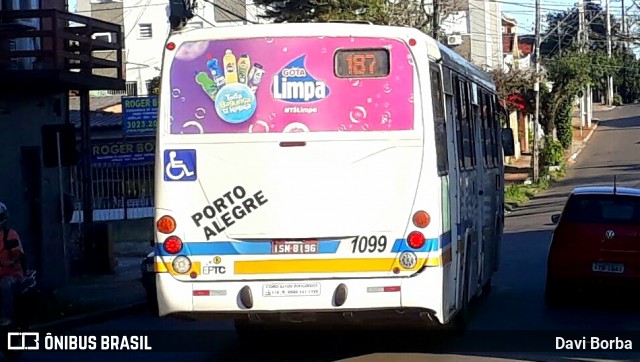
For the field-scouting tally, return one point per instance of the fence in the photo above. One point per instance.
(120, 191)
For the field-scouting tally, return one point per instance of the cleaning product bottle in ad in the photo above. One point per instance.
(207, 85)
(216, 72)
(230, 67)
(255, 77)
(244, 65)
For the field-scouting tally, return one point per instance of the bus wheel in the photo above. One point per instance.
(486, 288)
(250, 332)
(554, 294)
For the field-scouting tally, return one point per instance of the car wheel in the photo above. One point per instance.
(555, 294)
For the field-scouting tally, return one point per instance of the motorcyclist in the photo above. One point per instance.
(11, 271)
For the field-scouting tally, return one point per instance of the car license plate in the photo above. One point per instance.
(301, 289)
(294, 247)
(608, 267)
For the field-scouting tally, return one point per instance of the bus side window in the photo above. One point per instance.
(440, 126)
(487, 130)
(495, 132)
(467, 136)
(460, 113)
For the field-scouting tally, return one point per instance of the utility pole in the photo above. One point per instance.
(536, 123)
(436, 20)
(610, 77)
(624, 26)
(588, 95)
(581, 31)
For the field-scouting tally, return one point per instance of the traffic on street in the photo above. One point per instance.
(515, 304)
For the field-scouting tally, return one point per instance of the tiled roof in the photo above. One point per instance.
(95, 103)
(98, 119)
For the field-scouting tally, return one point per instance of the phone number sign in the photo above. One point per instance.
(140, 115)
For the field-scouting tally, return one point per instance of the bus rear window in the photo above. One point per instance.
(602, 209)
(291, 84)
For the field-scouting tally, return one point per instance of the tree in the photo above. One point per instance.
(562, 30)
(154, 86)
(413, 13)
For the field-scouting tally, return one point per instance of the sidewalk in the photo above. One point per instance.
(93, 298)
(520, 171)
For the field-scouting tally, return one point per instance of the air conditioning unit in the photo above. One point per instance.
(454, 40)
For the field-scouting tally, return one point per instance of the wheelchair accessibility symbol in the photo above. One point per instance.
(180, 165)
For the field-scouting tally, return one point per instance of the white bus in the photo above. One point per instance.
(315, 172)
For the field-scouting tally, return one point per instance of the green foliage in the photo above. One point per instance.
(403, 12)
(617, 100)
(564, 128)
(552, 154)
(563, 30)
(154, 86)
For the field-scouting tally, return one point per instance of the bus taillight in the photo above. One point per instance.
(166, 224)
(421, 219)
(172, 245)
(171, 46)
(416, 240)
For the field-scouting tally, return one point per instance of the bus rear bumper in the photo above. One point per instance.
(416, 299)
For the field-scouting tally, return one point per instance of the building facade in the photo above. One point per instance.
(145, 25)
(475, 32)
(36, 52)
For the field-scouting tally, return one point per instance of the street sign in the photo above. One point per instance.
(138, 152)
(139, 115)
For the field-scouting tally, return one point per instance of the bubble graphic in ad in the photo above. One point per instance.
(259, 127)
(195, 124)
(175, 93)
(295, 127)
(191, 50)
(200, 112)
(358, 114)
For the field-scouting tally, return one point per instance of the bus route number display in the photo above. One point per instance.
(361, 63)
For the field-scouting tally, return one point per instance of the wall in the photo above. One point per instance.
(21, 119)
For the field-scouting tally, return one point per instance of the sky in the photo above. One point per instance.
(524, 11)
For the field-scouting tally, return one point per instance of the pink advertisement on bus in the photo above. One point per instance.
(292, 84)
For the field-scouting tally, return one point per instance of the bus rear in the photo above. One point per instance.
(287, 172)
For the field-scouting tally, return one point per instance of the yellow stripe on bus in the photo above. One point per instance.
(289, 266)
(168, 268)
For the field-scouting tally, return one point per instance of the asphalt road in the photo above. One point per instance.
(516, 302)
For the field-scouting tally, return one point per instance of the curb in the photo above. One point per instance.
(90, 318)
(584, 142)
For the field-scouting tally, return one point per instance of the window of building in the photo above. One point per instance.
(440, 126)
(106, 37)
(145, 31)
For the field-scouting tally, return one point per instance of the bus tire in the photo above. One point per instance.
(250, 332)
(555, 295)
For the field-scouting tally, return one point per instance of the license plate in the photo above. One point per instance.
(291, 289)
(608, 267)
(294, 247)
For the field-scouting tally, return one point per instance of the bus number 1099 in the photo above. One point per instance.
(370, 244)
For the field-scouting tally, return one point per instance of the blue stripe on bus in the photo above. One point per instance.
(240, 248)
(401, 245)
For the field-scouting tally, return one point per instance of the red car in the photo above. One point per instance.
(596, 242)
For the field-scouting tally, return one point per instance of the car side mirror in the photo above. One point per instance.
(555, 218)
(508, 143)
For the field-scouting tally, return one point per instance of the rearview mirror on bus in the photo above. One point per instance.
(508, 143)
